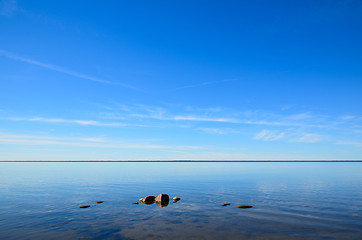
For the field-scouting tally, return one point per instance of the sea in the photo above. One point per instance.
(289, 200)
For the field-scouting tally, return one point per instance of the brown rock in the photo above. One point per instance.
(225, 204)
(85, 206)
(176, 198)
(135, 203)
(100, 202)
(162, 198)
(148, 199)
(245, 206)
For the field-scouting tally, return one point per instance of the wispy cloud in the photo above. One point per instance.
(225, 156)
(309, 138)
(64, 70)
(80, 122)
(203, 119)
(16, 139)
(356, 144)
(213, 131)
(304, 119)
(267, 135)
(8, 7)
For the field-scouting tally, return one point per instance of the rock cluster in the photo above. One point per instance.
(161, 200)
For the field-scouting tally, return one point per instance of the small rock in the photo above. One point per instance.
(100, 202)
(135, 203)
(85, 206)
(176, 198)
(245, 206)
(148, 199)
(162, 198)
(225, 204)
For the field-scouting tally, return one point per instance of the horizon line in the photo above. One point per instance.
(182, 161)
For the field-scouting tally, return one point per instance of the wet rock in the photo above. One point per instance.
(162, 204)
(100, 202)
(135, 203)
(85, 206)
(245, 206)
(162, 198)
(225, 204)
(148, 200)
(176, 198)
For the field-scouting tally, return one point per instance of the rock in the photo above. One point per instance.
(245, 206)
(85, 206)
(148, 200)
(225, 204)
(162, 204)
(162, 198)
(100, 202)
(135, 203)
(176, 198)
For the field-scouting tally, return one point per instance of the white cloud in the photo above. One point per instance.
(309, 138)
(93, 139)
(80, 122)
(203, 119)
(356, 144)
(64, 70)
(227, 156)
(213, 130)
(180, 113)
(15, 139)
(267, 135)
(347, 117)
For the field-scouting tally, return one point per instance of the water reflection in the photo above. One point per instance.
(292, 201)
(159, 203)
(162, 204)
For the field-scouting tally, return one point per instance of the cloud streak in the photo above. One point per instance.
(356, 144)
(64, 70)
(14, 139)
(80, 122)
(267, 135)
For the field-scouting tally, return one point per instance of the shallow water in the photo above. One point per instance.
(290, 200)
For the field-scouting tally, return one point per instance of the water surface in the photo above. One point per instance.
(290, 200)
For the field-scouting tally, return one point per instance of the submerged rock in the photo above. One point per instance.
(100, 202)
(135, 203)
(245, 206)
(225, 204)
(148, 200)
(162, 198)
(85, 206)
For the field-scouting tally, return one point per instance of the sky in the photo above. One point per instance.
(180, 80)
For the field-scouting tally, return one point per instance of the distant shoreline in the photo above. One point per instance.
(206, 161)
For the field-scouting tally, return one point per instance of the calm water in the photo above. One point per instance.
(291, 200)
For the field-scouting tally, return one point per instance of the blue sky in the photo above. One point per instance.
(159, 80)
